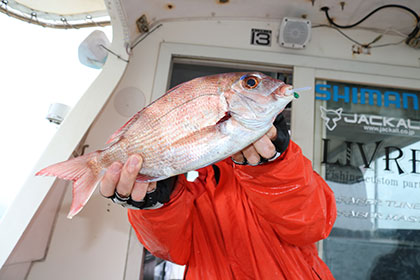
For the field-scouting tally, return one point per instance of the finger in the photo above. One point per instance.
(272, 133)
(264, 147)
(139, 190)
(152, 187)
(238, 157)
(110, 179)
(251, 155)
(128, 175)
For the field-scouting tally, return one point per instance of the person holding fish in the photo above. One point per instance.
(256, 208)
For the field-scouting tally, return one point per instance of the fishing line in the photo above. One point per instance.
(303, 89)
(295, 91)
(110, 51)
(145, 36)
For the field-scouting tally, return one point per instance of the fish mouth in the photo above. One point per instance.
(284, 91)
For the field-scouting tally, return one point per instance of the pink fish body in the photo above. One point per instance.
(195, 124)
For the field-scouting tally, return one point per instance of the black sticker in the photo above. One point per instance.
(261, 37)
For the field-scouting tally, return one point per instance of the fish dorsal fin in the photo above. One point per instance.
(117, 134)
(174, 88)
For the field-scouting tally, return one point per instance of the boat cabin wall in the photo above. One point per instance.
(147, 77)
(149, 69)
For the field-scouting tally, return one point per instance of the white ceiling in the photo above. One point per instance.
(157, 10)
(353, 11)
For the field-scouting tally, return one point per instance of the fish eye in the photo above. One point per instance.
(250, 82)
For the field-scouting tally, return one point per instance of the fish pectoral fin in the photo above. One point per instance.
(198, 136)
(224, 118)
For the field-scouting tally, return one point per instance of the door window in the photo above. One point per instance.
(369, 149)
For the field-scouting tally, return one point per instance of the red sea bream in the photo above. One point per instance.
(195, 124)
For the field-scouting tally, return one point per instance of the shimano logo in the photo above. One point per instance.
(368, 96)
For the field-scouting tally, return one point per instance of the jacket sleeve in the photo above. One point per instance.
(166, 231)
(291, 196)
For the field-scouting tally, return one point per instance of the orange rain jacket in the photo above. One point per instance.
(258, 222)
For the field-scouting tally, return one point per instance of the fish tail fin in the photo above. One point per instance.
(85, 180)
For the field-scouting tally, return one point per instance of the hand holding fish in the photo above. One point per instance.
(120, 179)
(262, 148)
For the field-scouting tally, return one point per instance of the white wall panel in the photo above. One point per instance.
(96, 240)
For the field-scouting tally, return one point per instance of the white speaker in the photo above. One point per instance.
(128, 101)
(92, 52)
(294, 33)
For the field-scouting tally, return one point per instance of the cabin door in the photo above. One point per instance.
(182, 70)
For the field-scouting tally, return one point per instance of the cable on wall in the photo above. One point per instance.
(413, 39)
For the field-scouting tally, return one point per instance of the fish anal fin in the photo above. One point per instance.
(146, 178)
